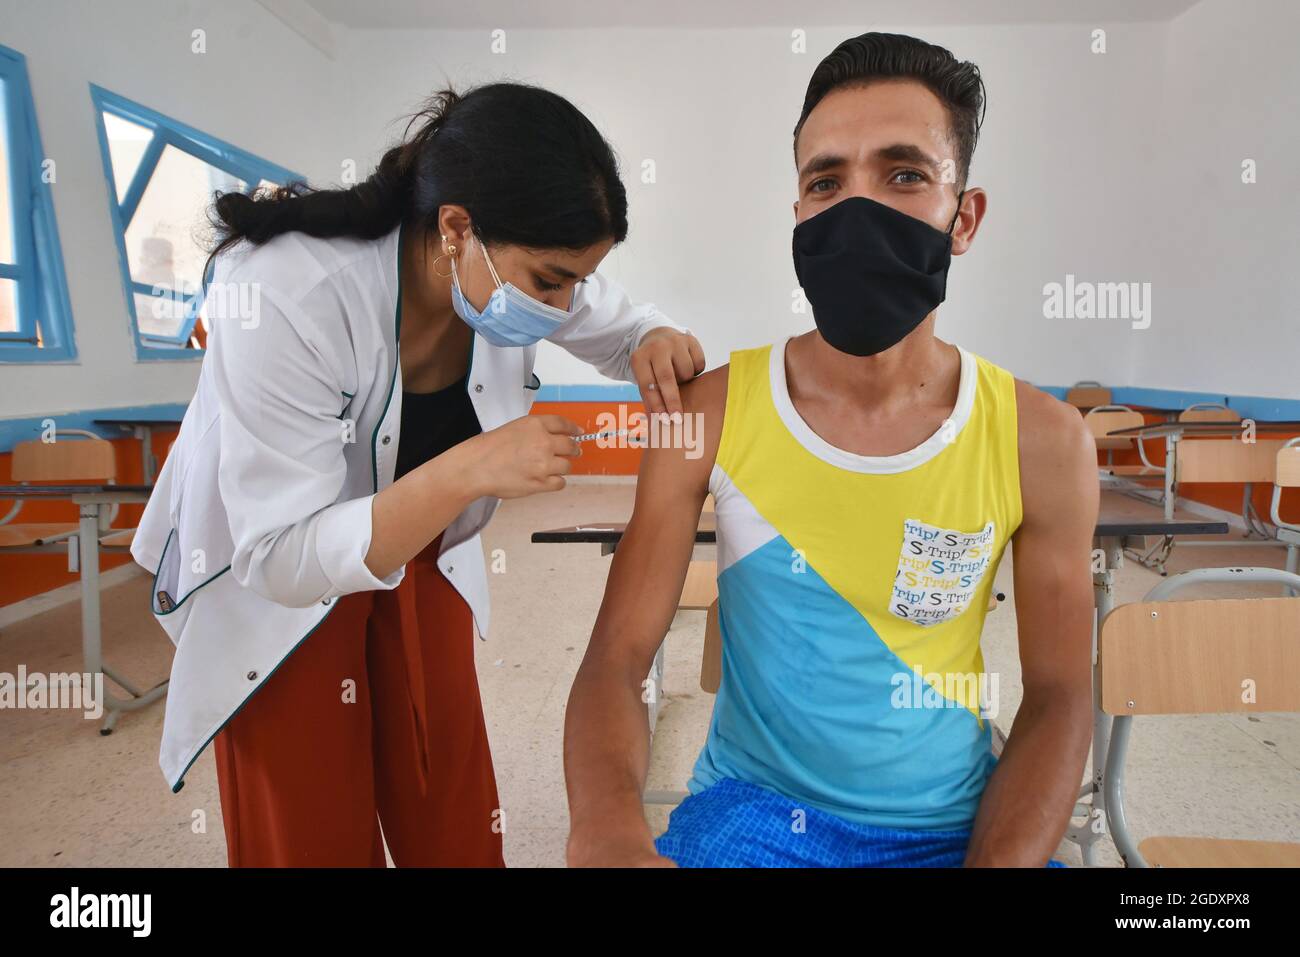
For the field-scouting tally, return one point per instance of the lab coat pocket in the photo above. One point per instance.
(939, 571)
(200, 547)
(170, 612)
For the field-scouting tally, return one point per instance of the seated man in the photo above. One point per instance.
(867, 477)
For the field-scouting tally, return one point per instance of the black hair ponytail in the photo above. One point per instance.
(529, 167)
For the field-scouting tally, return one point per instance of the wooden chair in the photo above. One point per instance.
(1232, 461)
(701, 588)
(1286, 474)
(1195, 657)
(1227, 460)
(1107, 418)
(1088, 395)
(86, 458)
(1208, 412)
(69, 461)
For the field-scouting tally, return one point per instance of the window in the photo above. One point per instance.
(35, 316)
(162, 176)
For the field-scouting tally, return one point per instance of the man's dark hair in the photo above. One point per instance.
(888, 56)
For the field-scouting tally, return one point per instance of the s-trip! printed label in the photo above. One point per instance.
(938, 571)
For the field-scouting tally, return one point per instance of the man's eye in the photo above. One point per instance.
(917, 177)
(815, 185)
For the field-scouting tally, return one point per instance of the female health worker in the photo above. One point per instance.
(361, 411)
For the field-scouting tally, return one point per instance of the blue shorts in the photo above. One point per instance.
(736, 824)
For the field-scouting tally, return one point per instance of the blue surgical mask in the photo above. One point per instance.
(512, 317)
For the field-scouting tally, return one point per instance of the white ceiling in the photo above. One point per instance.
(492, 14)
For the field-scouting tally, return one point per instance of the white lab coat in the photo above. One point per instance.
(260, 519)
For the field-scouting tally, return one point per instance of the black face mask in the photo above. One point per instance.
(871, 273)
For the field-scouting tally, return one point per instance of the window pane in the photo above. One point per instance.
(6, 187)
(8, 305)
(161, 315)
(166, 243)
(127, 142)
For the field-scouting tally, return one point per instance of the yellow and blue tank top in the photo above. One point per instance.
(852, 592)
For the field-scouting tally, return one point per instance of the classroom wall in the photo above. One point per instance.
(714, 110)
(1229, 314)
(1114, 167)
(259, 85)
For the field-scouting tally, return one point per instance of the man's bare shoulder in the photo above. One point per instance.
(687, 452)
(707, 392)
(1049, 428)
(1058, 457)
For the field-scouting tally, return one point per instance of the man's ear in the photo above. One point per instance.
(973, 206)
(796, 210)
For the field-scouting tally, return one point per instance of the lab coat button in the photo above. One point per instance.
(327, 601)
(478, 388)
(450, 569)
(252, 676)
(387, 439)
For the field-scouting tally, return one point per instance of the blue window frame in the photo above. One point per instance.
(35, 314)
(161, 178)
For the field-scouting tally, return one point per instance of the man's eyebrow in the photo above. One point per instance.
(821, 163)
(896, 152)
(907, 153)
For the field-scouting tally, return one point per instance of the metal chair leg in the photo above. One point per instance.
(91, 633)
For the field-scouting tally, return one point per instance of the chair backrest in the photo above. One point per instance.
(66, 459)
(711, 660)
(1227, 460)
(1107, 418)
(1087, 395)
(1287, 467)
(1209, 656)
(1208, 412)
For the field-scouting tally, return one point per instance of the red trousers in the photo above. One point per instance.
(375, 719)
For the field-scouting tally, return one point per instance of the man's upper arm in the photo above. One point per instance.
(649, 567)
(1052, 547)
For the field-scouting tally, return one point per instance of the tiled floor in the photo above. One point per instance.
(70, 796)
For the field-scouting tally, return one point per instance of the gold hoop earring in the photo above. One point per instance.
(451, 251)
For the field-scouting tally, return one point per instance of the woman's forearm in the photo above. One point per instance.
(414, 510)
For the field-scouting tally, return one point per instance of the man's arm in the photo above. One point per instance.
(606, 733)
(1026, 806)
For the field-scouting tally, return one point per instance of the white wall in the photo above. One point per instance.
(259, 86)
(1114, 167)
(710, 241)
(1231, 250)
